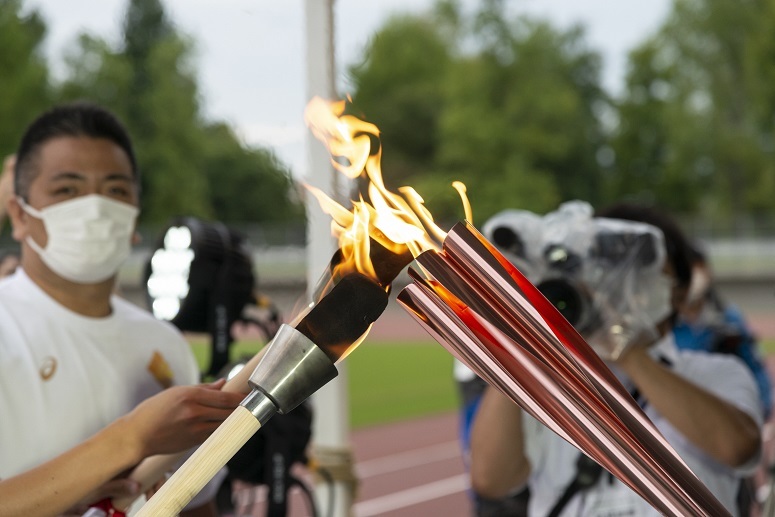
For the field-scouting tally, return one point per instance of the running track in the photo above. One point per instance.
(408, 469)
(414, 468)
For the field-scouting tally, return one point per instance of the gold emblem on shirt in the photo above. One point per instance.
(48, 368)
(160, 370)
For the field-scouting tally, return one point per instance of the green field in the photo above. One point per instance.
(396, 381)
(388, 382)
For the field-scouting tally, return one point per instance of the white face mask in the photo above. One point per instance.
(89, 237)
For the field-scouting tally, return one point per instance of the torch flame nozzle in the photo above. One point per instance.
(345, 314)
(301, 360)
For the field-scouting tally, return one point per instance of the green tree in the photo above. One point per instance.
(24, 80)
(707, 141)
(646, 140)
(520, 123)
(508, 106)
(398, 86)
(189, 165)
(150, 82)
(247, 184)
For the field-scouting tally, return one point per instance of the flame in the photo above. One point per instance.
(398, 222)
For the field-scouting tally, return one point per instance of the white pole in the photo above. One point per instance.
(330, 433)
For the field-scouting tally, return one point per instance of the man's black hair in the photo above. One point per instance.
(679, 252)
(74, 120)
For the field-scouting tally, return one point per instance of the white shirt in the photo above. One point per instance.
(553, 459)
(64, 376)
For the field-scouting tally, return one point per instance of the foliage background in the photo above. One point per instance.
(189, 165)
(511, 105)
(515, 108)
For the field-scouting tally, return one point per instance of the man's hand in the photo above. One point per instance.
(179, 418)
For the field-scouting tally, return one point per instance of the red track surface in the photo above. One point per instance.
(411, 469)
(408, 469)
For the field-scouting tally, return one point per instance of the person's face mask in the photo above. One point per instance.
(89, 237)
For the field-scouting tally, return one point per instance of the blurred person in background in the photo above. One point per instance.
(75, 358)
(706, 405)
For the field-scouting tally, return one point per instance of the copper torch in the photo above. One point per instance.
(486, 313)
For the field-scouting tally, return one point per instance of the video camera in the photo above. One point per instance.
(605, 276)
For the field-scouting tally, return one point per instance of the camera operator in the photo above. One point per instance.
(615, 274)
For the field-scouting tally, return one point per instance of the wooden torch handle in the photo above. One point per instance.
(152, 469)
(200, 468)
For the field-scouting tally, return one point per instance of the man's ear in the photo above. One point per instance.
(18, 218)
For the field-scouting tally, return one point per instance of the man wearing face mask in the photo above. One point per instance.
(705, 405)
(74, 358)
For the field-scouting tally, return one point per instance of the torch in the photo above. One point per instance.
(368, 244)
(386, 267)
(485, 312)
(298, 362)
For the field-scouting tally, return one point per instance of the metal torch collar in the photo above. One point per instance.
(260, 406)
(291, 370)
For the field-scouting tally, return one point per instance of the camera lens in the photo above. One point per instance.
(563, 295)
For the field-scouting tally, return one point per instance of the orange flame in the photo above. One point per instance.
(397, 222)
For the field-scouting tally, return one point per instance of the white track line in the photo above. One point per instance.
(408, 459)
(411, 496)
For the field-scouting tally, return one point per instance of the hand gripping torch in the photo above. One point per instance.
(387, 265)
(297, 363)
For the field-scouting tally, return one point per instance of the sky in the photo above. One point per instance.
(250, 53)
